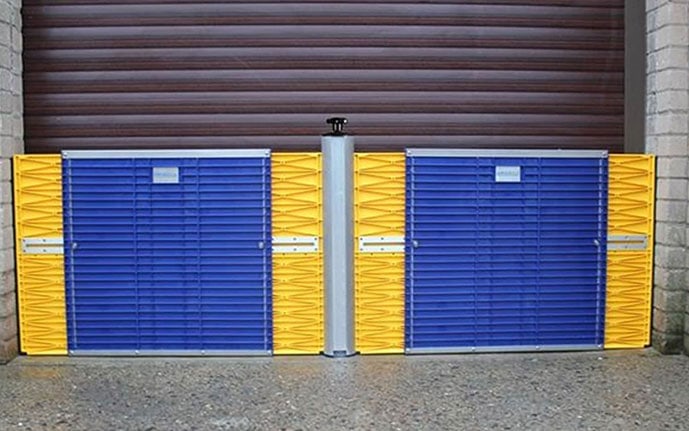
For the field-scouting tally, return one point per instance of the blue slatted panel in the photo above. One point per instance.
(157, 267)
(502, 265)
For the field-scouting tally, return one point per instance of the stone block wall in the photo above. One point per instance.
(667, 129)
(11, 142)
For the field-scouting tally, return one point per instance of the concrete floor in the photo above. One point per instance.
(567, 391)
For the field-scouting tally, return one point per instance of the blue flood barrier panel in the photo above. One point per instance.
(505, 253)
(171, 260)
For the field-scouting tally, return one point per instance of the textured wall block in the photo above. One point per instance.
(672, 323)
(667, 124)
(670, 279)
(670, 301)
(672, 212)
(671, 233)
(665, 343)
(666, 12)
(668, 79)
(670, 256)
(673, 167)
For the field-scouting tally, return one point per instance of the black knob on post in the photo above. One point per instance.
(337, 123)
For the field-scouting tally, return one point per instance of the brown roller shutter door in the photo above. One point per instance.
(103, 74)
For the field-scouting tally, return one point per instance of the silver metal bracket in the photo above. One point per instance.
(381, 244)
(627, 242)
(42, 246)
(295, 244)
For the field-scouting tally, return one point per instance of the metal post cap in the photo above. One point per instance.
(337, 123)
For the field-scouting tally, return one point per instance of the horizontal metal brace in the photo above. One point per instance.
(381, 244)
(627, 242)
(550, 154)
(295, 244)
(42, 246)
(499, 349)
(154, 353)
(165, 154)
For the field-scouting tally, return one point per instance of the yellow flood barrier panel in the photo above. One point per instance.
(297, 225)
(40, 265)
(379, 207)
(631, 200)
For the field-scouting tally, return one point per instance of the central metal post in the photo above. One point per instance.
(338, 155)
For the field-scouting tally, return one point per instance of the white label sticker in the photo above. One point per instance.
(165, 175)
(508, 174)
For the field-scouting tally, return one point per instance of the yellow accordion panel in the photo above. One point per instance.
(630, 250)
(297, 253)
(379, 207)
(40, 265)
